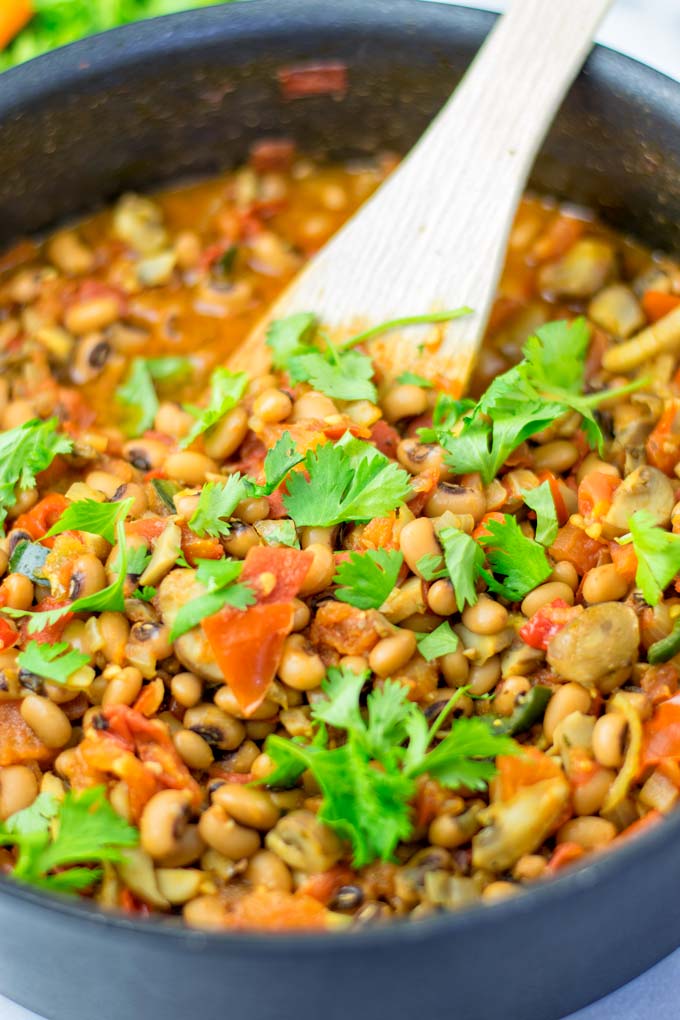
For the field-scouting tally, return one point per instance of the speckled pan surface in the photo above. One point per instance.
(185, 96)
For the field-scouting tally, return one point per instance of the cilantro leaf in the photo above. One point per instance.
(220, 579)
(291, 336)
(278, 533)
(464, 560)
(556, 355)
(346, 375)
(540, 499)
(88, 831)
(412, 378)
(280, 460)
(138, 393)
(52, 662)
(93, 517)
(658, 555)
(226, 389)
(440, 641)
(145, 594)
(368, 783)
(520, 560)
(25, 451)
(368, 577)
(348, 481)
(430, 567)
(216, 503)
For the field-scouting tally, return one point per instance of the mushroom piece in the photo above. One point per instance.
(519, 826)
(598, 647)
(646, 488)
(580, 273)
(166, 550)
(485, 646)
(304, 842)
(617, 310)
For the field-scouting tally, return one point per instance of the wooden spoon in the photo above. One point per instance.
(434, 235)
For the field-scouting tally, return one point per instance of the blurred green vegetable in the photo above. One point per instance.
(57, 22)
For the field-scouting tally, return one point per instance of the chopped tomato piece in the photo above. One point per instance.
(526, 769)
(54, 631)
(559, 236)
(195, 548)
(661, 734)
(595, 494)
(38, 521)
(148, 528)
(13, 16)
(9, 635)
(564, 855)
(287, 567)
(269, 910)
(663, 444)
(380, 533)
(657, 303)
(573, 545)
(325, 886)
(150, 698)
(323, 79)
(481, 531)
(386, 438)
(624, 560)
(248, 645)
(18, 742)
(342, 629)
(548, 621)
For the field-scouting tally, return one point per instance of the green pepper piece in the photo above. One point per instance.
(529, 710)
(28, 558)
(666, 648)
(165, 490)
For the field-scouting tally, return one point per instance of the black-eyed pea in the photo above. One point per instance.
(272, 405)
(441, 598)
(588, 831)
(317, 536)
(321, 570)
(114, 631)
(225, 835)
(249, 806)
(240, 540)
(189, 467)
(92, 314)
(17, 591)
(391, 653)
(302, 614)
(494, 892)
(135, 492)
(193, 749)
(88, 576)
(457, 499)
(103, 481)
(592, 462)
(172, 420)
(207, 913)
(507, 693)
(609, 739)
(300, 667)
(568, 698)
(226, 436)
(145, 454)
(546, 593)
(557, 456)
(262, 766)
(18, 789)
(356, 663)
(164, 821)
(486, 617)
(455, 667)
(566, 573)
(47, 721)
(483, 678)
(406, 400)
(220, 730)
(250, 511)
(69, 253)
(589, 796)
(418, 457)
(529, 868)
(416, 540)
(16, 413)
(304, 842)
(604, 584)
(313, 405)
(227, 701)
(267, 871)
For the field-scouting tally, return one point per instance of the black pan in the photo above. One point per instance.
(184, 96)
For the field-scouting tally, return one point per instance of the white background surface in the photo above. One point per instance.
(650, 31)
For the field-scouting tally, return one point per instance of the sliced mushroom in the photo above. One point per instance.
(519, 826)
(583, 271)
(166, 550)
(304, 842)
(484, 645)
(520, 659)
(598, 647)
(617, 310)
(405, 601)
(646, 488)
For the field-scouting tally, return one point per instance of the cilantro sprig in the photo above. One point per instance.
(25, 451)
(220, 577)
(52, 838)
(226, 389)
(137, 393)
(519, 560)
(52, 662)
(441, 641)
(93, 517)
(658, 555)
(345, 481)
(368, 782)
(541, 501)
(368, 577)
(216, 504)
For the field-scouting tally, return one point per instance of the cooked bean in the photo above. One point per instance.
(486, 616)
(189, 467)
(609, 739)
(69, 253)
(321, 571)
(267, 871)
(206, 912)
(262, 766)
(589, 832)
(18, 789)
(494, 892)
(404, 401)
(300, 666)
(193, 749)
(302, 615)
(164, 821)
(557, 456)
(47, 721)
(416, 540)
(92, 314)
(419, 457)
(589, 796)
(226, 836)
(247, 805)
(304, 842)
(313, 405)
(483, 678)
(356, 663)
(171, 419)
(219, 729)
(441, 598)
(224, 438)
(17, 591)
(456, 499)
(317, 536)
(391, 653)
(87, 576)
(146, 454)
(251, 511)
(123, 688)
(507, 693)
(545, 594)
(566, 573)
(567, 698)
(604, 584)
(529, 868)
(227, 701)
(456, 667)
(272, 405)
